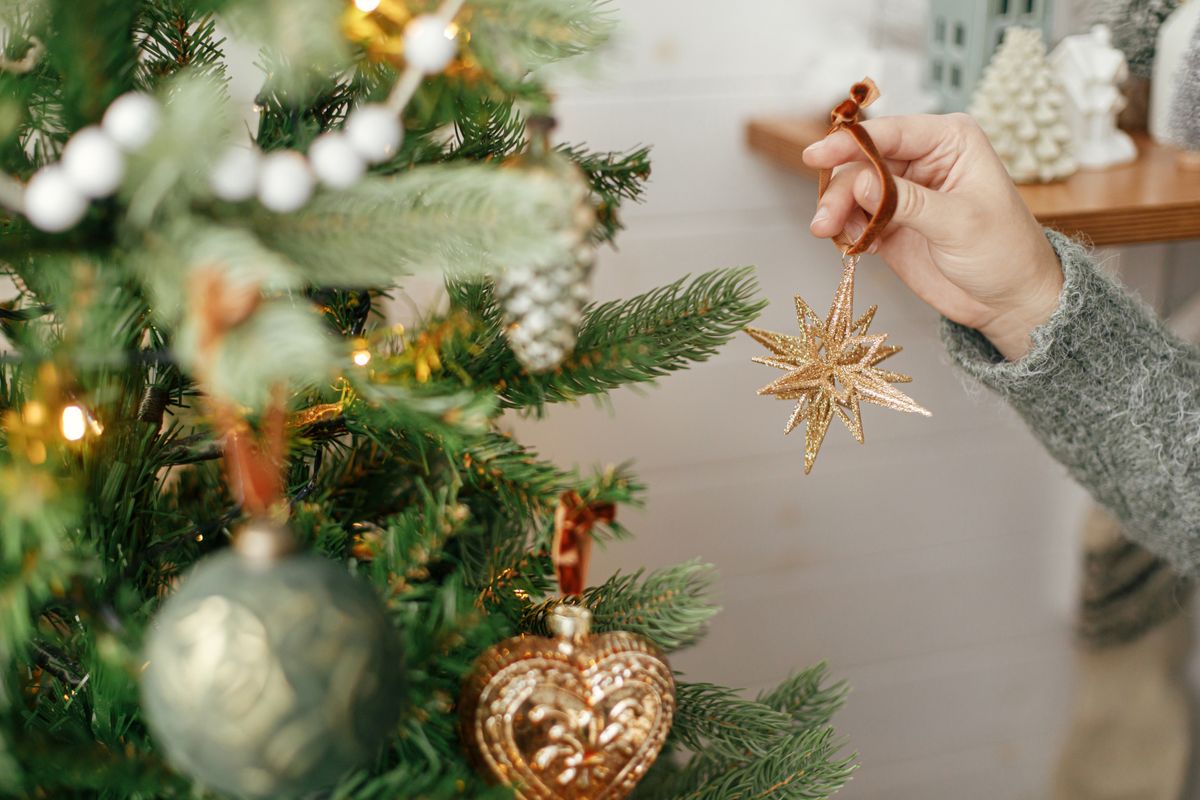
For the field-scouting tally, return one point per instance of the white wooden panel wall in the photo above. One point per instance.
(932, 567)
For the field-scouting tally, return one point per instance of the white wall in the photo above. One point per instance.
(933, 566)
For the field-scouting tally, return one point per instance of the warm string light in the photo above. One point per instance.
(74, 423)
(360, 355)
(367, 6)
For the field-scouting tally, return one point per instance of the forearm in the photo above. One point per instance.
(1114, 397)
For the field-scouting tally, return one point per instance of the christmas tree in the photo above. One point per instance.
(256, 535)
(1020, 106)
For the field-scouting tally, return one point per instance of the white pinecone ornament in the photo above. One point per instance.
(542, 304)
(542, 308)
(1019, 104)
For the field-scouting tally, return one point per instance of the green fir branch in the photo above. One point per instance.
(302, 38)
(616, 178)
(717, 722)
(671, 607)
(801, 766)
(486, 129)
(90, 48)
(801, 701)
(174, 36)
(620, 342)
(452, 218)
(805, 697)
(521, 483)
(444, 410)
(512, 39)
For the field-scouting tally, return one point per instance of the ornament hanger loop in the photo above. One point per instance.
(572, 548)
(846, 117)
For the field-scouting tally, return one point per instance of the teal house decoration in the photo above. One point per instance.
(963, 34)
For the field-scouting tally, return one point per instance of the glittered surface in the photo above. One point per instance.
(568, 718)
(270, 681)
(831, 367)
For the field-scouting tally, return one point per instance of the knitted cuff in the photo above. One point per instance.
(1082, 286)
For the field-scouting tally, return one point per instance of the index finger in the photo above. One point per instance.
(905, 138)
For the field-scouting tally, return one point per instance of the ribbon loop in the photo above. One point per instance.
(572, 548)
(845, 116)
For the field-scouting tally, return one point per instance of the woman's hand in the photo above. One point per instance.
(962, 238)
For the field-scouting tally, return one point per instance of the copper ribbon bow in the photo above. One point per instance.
(253, 461)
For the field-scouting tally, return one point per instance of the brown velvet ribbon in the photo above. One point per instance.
(572, 548)
(253, 459)
(845, 117)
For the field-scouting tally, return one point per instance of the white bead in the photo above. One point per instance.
(131, 120)
(93, 162)
(52, 202)
(429, 43)
(335, 161)
(375, 132)
(285, 182)
(235, 175)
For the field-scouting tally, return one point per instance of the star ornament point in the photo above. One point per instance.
(831, 367)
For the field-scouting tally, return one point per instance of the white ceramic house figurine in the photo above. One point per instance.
(963, 36)
(1090, 70)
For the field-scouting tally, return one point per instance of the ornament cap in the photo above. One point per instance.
(263, 542)
(571, 622)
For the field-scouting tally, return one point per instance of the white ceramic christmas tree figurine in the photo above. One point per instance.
(1019, 104)
(1090, 71)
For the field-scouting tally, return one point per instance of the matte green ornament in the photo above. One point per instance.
(272, 675)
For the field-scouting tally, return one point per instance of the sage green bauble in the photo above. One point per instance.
(270, 678)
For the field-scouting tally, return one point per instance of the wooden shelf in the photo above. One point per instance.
(1151, 200)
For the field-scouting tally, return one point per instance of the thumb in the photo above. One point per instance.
(927, 212)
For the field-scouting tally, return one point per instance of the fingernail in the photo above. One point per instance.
(854, 229)
(814, 147)
(821, 215)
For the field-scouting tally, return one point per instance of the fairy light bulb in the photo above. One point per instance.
(73, 423)
(361, 357)
(366, 6)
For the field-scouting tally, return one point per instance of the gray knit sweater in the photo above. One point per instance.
(1115, 397)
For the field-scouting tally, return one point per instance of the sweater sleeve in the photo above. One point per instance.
(1114, 396)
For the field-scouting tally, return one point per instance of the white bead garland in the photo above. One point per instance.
(131, 120)
(52, 201)
(235, 175)
(335, 161)
(429, 43)
(284, 182)
(375, 132)
(93, 162)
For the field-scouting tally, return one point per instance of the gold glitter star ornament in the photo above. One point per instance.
(831, 367)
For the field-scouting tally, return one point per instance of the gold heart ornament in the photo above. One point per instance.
(573, 717)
